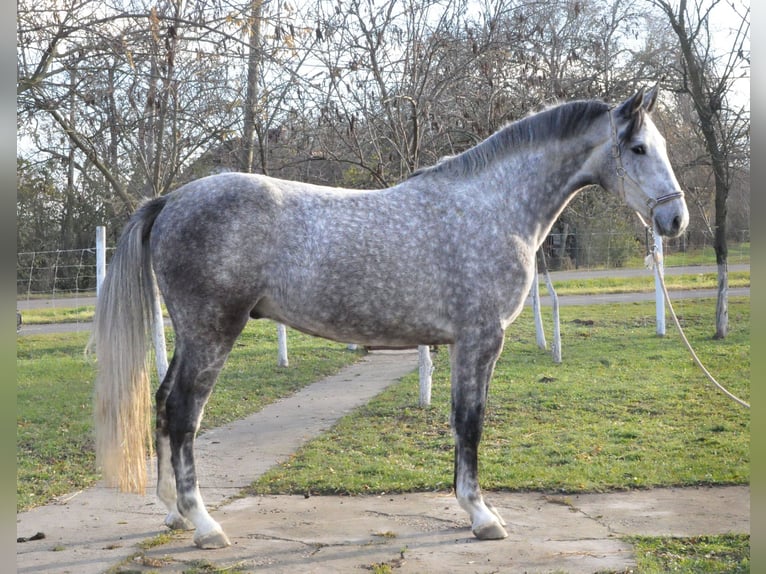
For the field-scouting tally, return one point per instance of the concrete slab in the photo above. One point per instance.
(429, 532)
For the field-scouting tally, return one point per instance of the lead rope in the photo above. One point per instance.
(661, 275)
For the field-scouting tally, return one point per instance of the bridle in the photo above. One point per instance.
(622, 174)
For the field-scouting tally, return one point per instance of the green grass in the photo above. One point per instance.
(54, 449)
(80, 314)
(54, 389)
(725, 554)
(737, 253)
(625, 409)
(607, 285)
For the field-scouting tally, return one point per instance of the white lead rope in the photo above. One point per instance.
(686, 341)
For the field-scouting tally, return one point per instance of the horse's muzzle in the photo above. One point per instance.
(671, 219)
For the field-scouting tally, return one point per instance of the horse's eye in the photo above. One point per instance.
(639, 149)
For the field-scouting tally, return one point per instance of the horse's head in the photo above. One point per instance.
(639, 169)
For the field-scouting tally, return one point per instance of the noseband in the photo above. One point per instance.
(622, 174)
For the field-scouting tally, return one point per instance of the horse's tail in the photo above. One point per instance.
(121, 332)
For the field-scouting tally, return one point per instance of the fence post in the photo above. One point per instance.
(658, 295)
(426, 369)
(535, 291)
(100, 257)
(160, 350)
(282, 346)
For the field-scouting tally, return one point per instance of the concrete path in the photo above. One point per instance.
(100, 530)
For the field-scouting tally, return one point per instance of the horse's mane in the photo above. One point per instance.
(563, 121)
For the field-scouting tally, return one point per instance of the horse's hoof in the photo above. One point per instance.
(494, 511)
(490, 531)
(178, 522)
(212, 540)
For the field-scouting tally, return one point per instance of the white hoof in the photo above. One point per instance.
(177, 522)
(211, 540)
(489, 531)
(494, 511)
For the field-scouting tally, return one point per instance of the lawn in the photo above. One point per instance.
(625, 409)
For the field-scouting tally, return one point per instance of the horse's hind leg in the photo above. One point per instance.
(472, 363)
(198, 358)
(166, 480)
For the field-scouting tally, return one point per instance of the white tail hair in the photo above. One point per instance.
(121, 334)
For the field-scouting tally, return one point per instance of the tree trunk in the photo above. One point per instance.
(721, 253)
(722, 305)
(251, 99)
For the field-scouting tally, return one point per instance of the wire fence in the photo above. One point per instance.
(56, 274)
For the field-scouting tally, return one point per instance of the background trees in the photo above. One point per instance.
(120, 101)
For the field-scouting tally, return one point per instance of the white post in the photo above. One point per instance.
(658, 294)
(282, 345)
(100, 257)
(539, 329)
(426, 369)
(556, 345)
(160, 350)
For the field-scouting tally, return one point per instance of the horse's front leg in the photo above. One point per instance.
(472, 363)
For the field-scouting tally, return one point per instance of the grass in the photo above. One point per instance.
(625, 409)
(725, 554)
(737, 253)
(608, 285)
(79, 314)
(53, 429)
(54, 387)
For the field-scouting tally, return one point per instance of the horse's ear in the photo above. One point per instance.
(630, 107)
(651, 98)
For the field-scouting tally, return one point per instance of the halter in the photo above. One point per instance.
(651, 202)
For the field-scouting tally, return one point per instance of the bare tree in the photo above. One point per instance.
(708, 75)
(136, 91)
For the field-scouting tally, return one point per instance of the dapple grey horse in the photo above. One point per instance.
(446, 257)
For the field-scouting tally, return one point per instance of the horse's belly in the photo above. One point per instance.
(361, 326)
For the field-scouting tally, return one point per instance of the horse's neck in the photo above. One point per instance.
(539, 183)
